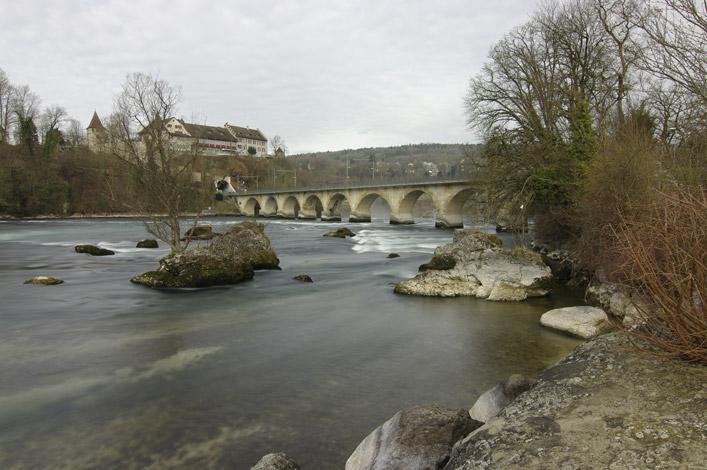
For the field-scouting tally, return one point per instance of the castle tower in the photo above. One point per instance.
(95, 134)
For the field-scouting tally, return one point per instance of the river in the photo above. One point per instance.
(101, 373)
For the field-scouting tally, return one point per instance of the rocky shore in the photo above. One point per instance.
(605, 405)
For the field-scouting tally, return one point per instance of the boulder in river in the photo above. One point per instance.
(231, 258)
(343, 232)
(474, 264)
(200, 232)
(149, 243)
(93, 250)
(416, 438)
(44, 280)
(303, 278)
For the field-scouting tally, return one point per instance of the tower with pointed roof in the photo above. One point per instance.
(95, 134)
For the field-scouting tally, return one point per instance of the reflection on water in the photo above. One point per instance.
(101, 373)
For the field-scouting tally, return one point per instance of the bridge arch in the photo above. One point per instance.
(332, 207)
(450, 214)
(252, 207)
(362, 210)
(290, 208)
(403, 214)
(269, 207)
(312, 207)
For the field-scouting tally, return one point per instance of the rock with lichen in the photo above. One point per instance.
(44, 280)
(476, 265)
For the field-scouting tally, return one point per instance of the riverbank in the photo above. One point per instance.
(605, 405)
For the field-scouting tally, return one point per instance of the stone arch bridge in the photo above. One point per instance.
(325, 202)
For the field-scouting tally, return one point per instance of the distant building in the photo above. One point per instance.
(226, 140)
(96, 134)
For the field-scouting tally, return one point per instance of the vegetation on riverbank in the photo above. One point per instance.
(594, 117)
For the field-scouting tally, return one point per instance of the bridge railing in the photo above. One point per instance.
(364, 185)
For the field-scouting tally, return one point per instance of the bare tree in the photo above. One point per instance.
(25, 103)
(618, 17)
(676, 45)
(74, 132)
(162, 172)
(51, 118)
(277, 142)
(7, 116)
(535, 101)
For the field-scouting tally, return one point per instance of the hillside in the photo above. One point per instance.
(414, 152)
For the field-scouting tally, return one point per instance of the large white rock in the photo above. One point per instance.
(416, 438)
(583, 321)
(491, 402)
(475, 265)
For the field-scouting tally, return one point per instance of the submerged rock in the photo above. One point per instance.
(230, 259)
(583, 321)
(93, 250)
(277, 461)
(44, 280)
(416, 438)
(303, 278)
(475, 265)
(393, 255)
(149, 243)
(343, 232)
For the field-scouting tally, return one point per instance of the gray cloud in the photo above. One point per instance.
(324, 75)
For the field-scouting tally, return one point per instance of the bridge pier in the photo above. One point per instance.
(308, 214)
(267, 214)
(401, 219)
(331, 218)
(359, 217)
(286, 215)
(447, 220)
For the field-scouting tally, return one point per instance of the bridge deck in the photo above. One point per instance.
(369, 185)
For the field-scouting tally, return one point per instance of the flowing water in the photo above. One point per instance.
(101, 373)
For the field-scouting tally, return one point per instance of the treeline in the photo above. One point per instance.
(411, 161)
(591, 106)
(594, 117)
(75, 181)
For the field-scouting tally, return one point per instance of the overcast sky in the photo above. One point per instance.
(322, 74)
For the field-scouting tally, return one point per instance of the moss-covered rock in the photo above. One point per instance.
(93, 250)
(200, 232)
(246, 242)
(439, 263)
(231, 258)
(342, 232)
(149, 243)
(303, 278)
(44, 280)
(196, 268)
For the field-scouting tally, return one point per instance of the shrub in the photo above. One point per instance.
(663, 249)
